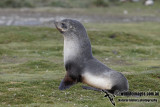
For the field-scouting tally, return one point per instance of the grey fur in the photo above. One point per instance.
(80, 63)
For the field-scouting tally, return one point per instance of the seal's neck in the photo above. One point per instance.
(77, 49)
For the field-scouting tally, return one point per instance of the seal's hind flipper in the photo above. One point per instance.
(109, 96)
(67, 82)
(91, 88)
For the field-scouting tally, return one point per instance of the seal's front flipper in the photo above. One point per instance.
(67, 82)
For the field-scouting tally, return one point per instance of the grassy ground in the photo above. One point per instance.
(31, 64)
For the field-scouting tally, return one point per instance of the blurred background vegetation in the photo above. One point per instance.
(63, 3)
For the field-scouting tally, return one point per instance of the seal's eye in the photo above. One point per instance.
(63, 26)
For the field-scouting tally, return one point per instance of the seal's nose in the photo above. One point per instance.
(55, 22)
(57, 25)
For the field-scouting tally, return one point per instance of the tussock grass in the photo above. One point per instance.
(31, 64)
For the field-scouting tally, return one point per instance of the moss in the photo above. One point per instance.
(31, 64)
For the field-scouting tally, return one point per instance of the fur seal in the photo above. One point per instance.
(80, 64)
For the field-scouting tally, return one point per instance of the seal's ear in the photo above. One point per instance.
(67, 82)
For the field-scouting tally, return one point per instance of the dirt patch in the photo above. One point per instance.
(13, 89)
(113, 36)
(128, 73)
(13, 82)
(13, 59)
(1, 93)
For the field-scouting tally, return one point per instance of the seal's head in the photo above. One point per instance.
(70, 27)
(76, 42)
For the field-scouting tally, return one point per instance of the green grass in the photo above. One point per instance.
(31, 64)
